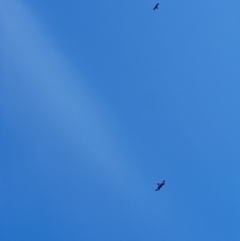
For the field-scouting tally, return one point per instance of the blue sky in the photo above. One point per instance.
(99, 101)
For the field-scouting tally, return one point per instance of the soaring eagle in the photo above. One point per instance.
(156, 6)
(160, 185)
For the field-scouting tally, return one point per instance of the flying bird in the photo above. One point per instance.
(156, 6)
(160, 185)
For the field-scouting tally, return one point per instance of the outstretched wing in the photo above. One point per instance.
(158, 187)
(156, 6)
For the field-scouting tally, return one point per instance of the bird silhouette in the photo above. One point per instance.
(156, 7)
(160, 185)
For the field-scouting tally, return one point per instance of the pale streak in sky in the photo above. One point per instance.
(62, 99)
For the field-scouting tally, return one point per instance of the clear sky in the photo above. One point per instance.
(101, 100)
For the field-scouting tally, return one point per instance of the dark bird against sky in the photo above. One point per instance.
(156, 6)
(160, 185)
